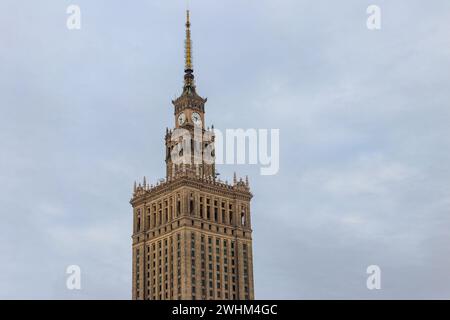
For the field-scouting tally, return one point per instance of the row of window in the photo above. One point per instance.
(207, 282)
(158, 215)
(160, 273)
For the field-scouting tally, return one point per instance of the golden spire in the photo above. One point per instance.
(189, 86)
(188, 44)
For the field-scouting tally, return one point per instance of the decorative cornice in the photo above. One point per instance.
(239, 189)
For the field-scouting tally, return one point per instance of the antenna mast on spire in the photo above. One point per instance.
(189, 86)
(188, 44)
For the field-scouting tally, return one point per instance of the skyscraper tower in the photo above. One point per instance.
(192, 236)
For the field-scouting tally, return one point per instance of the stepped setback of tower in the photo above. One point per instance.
(192, 236)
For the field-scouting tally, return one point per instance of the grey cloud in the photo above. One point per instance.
(363, 120)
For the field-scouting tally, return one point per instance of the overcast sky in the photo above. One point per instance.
(364, 131)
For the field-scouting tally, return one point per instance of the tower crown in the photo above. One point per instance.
(189, 98)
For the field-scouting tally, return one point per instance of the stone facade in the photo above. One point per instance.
(192, 236)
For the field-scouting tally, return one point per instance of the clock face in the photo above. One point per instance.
(181, 119)
(196, 119)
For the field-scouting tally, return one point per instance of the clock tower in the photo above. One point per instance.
(193, 153)
(192, 236)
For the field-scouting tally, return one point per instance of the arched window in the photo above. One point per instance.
(147, 219)
(191, 205)
(138, 222)
(223, 216)
(178, 206)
